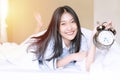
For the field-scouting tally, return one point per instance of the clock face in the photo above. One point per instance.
(106, 37)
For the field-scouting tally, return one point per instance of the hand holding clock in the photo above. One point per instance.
(104, 36)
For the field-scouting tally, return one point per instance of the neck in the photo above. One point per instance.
(67, 43)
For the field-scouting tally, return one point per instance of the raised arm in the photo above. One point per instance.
(90, 57)
(91, 53)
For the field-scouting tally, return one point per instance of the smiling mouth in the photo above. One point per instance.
(70, 33)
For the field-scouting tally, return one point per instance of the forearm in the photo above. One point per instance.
(72, 57)
(66, 60)
(90, 57)
(91, 52)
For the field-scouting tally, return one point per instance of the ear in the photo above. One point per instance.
(100, 28)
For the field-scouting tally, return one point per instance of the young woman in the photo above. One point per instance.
(63, 44)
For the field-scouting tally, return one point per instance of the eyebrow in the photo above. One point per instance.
(64, 21)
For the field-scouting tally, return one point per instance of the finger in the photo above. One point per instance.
(109, 25)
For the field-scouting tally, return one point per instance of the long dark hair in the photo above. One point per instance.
(42, 41)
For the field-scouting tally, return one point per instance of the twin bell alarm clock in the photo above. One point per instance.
(104, 38)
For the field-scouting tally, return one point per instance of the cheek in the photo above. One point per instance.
(75, 29)
(62, 29)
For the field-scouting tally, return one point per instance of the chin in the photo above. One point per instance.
(71, 38)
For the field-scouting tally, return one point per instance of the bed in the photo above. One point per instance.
(16, 64)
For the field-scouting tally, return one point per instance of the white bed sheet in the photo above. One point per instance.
(16, 64)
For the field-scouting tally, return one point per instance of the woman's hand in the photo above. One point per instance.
(72, 57)
(80, 56)
(92, 50)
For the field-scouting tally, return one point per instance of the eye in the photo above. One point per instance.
(62, 23)
(73, 21)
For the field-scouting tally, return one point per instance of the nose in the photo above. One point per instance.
(69, 27)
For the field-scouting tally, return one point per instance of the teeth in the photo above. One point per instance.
(70, 33)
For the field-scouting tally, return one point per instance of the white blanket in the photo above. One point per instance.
(16, 64)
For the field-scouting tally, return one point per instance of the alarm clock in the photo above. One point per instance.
(104, 38)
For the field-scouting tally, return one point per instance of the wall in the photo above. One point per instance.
(21, 21)
(108, 10)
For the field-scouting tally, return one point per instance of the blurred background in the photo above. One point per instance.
(17, 20)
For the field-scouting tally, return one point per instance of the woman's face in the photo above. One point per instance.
(68, 27)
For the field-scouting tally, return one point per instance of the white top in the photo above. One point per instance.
(51, 65)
